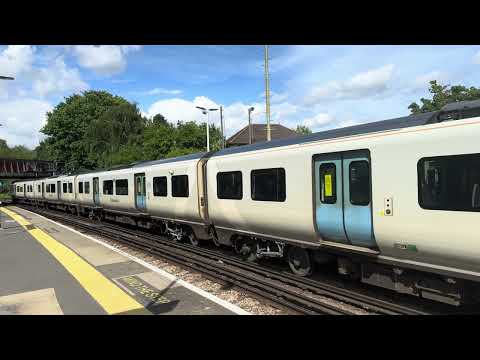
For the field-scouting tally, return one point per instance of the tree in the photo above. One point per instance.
(303, 130)
(120, 127)
(16, 152)
(67, 125)
(443, 95)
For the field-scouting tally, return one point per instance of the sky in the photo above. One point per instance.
(322, 87)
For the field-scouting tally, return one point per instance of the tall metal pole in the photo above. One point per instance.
(267, 95)
(208, 131)
(221, 125)
(249, 128)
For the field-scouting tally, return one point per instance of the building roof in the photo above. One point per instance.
(259, 134)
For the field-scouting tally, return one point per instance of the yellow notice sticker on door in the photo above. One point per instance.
(328, 185)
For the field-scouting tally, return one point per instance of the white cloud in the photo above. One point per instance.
(422, 81)
(235, 115)
(21, 121)
(318, 121)
(371, 82)
(57, 78)
(476, 58)
(103, 59)
(16, 59)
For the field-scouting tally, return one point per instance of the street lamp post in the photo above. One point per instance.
(6, 78)
(207, 112)
(250, 140)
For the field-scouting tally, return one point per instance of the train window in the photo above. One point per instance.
(108, 187)
(160, 186)
(359, 182)
(64, 186)
(52, 188)
(449, 182)
(121, 187)
(268, 184)
(70, 188)
(180, 186)
(229, 185)
(39, 188)
(87, 187)
(328, 183)
(80, 187)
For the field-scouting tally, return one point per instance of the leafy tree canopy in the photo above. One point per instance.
(303, 130)
(442, 95)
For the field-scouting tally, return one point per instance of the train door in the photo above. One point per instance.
(59, 190)
(140, 192)
(343, 198)
(96, 191)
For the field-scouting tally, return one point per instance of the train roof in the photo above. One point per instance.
(391, 124)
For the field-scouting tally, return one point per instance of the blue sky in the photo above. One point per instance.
(322, 87)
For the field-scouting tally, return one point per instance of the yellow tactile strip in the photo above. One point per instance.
(110, 297)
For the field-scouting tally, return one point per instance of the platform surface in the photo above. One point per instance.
(46, 268)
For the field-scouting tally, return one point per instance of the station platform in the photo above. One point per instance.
(47, 268)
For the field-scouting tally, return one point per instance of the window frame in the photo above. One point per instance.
(188, 186)
(86, 189)
(103, 187)
(334, 183)
(420, 169)
(121, 187)
(221, 173)
(166, 186)
(350, 183)
(266, 169)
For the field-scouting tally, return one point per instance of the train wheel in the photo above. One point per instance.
(300, 261)
(193, 239)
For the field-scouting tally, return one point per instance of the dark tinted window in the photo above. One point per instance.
(87, 187)
(328, 183)
(52, 188)
(70, 188)
(64, 185)
(39, 188)
(229, 185)
(121, 187)
(108, 187)
(359, 182)
(268, 184)
(449, 183)
(80, 187)
(160, 186)
(180, 186)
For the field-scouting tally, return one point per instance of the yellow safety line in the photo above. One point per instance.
(110, 297)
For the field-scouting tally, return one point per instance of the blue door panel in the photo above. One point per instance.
(329, 217)
(357, 218)
(343, 221)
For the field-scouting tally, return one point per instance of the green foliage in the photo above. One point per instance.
(16, 152)
(68, 126)
(442, 95)
(98, 130)
(303, 130)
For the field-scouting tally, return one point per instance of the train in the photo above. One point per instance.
(392, 203)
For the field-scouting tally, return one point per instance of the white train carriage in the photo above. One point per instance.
(407, 196)
(173, 192)
(20, 189)
(114, 191)
(84, 190)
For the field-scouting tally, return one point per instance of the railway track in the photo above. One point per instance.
(300, 295)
